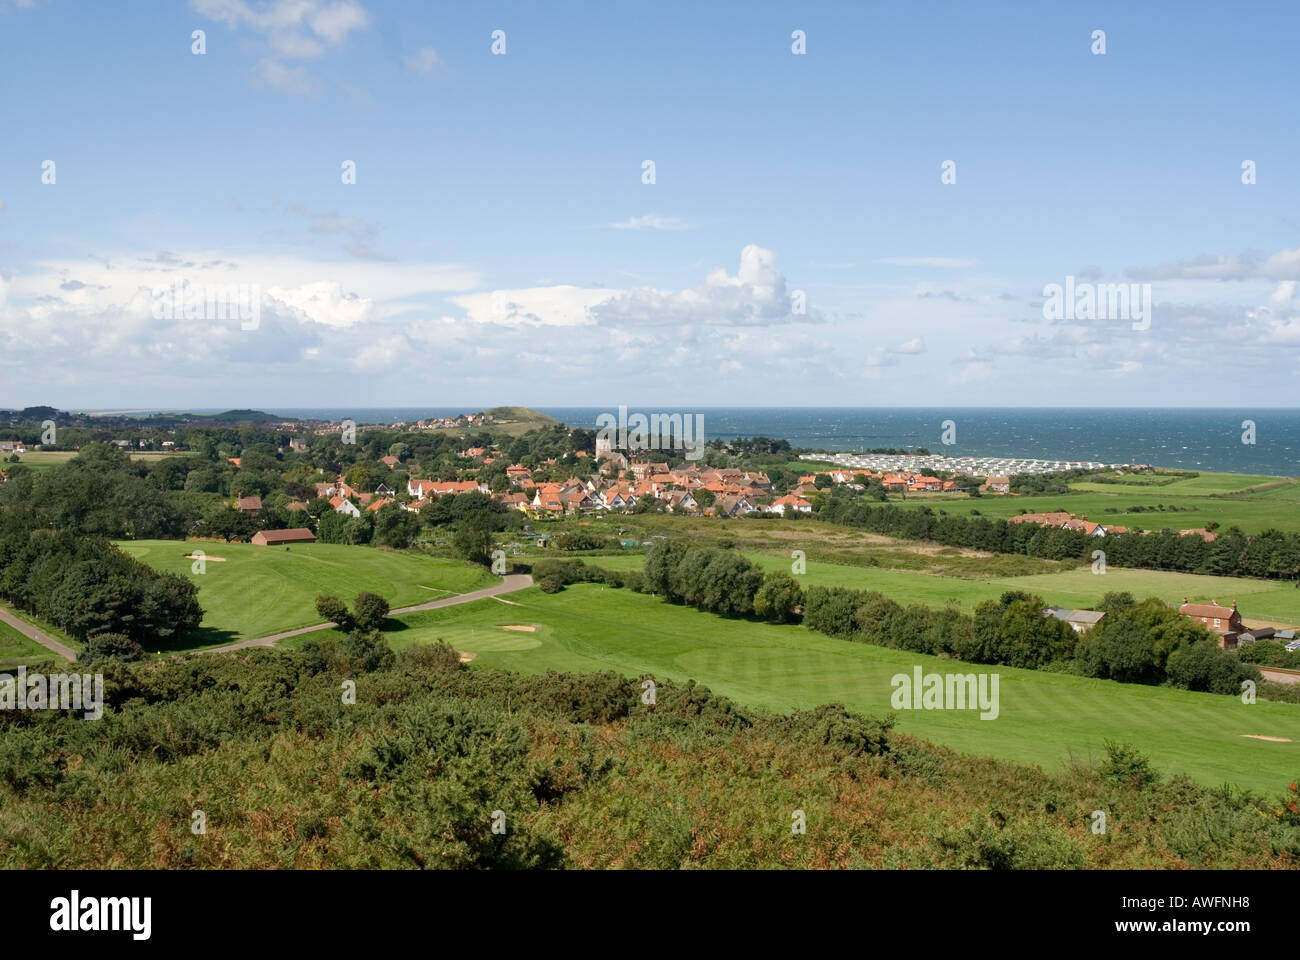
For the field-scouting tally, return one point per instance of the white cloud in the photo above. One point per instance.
(292, 80)
(975, 372)
(955, 263)
(756, 295)
(290, 30)
(1283, 265)
(424, 60)
(329, 293)
(294, 29)
(652, 221)
(558, 306)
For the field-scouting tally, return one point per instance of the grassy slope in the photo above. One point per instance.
(1079, 588)
(1277, 505)
(16, 650)
(263, 590)
(1045, 718)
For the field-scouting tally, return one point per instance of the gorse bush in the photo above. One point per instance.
(439, 766)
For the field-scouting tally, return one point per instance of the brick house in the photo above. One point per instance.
(1223, 621)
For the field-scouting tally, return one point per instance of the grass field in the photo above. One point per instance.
(1253, 502)
(1275, 601)
(1044, 718)
(41, 459)
(256, 591)
(17, 650)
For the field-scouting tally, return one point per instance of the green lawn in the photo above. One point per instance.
(257, 591)
(1270, 600)
(42, 459)
(1228, 499)
(17, 650)
(1044, 718)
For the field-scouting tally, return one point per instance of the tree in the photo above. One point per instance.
(1206, 667)
(369, 610)
(395, 527)
(777, 599)
(334, 610)
(473, 539)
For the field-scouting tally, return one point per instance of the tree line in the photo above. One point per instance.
(1272, 554)
(88, 588)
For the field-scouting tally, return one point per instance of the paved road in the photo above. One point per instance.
(509, 584)
(40, 636)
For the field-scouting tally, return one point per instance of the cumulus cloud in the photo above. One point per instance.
(294, 29)
(756, 295)
(558, 306)
(289, 30)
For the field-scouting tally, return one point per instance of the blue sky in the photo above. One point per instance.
(499, 245)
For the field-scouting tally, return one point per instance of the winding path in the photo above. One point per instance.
(40, 636)
(509, 584)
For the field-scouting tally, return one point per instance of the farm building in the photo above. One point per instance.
(275, 538)
(1080, 621)
(1224, 621)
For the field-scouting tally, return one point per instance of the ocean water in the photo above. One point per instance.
(1193, 439)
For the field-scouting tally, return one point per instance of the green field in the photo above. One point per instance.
(1270, 600)
(17, 650)
(1253, 502)
(42, 459)
(257, 591)
(1044, 718)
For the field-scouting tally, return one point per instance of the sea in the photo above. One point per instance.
(1222, 440)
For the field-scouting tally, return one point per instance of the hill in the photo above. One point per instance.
(578, 770)
(241, 416)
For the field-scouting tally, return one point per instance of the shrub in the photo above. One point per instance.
(1125, 766)
(115, 645)
(334, 610)
(367, 651)
(1204, 666)
(369, 610)
(778, 598)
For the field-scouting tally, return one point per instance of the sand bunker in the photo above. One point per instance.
(195, 556)
(526, 628)
(467, 657)
(1260, 736)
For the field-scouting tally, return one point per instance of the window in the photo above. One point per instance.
(1216, 621)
